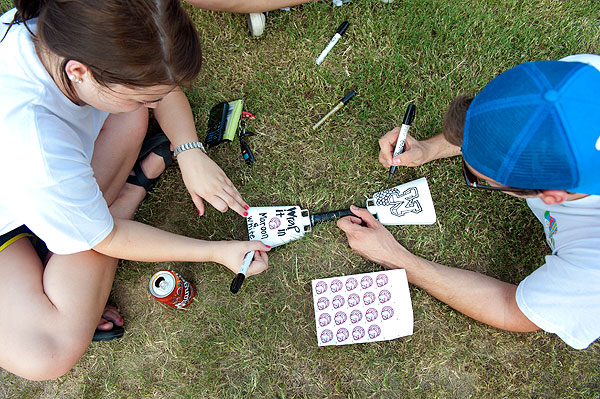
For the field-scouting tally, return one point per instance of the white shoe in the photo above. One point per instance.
(338, 3)
(256, 23)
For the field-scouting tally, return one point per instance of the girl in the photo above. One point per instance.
(77, 78)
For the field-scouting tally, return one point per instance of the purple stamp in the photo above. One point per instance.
(353, 300)
(368, 298)
(351, 284)
(381, 280)
(358, 332)
(340, 318)
(336, 285)
(338, 301)
(320, 287)
(366, 282)
(342, 334)
(384, 296)
(324, 319)
(374, 331)
(355, 316)
(326, 336)
(322, 303)
(387, 312)
(371, 314)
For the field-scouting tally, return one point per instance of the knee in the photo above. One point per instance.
(139, 123)
(49, 359)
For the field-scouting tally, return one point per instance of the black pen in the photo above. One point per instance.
(408, 120)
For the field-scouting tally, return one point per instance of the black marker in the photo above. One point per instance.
(408, 120)
(338, 33)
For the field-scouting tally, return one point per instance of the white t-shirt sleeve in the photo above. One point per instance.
(590, 59)
(563, 295)
(564, 299)
(58, 197)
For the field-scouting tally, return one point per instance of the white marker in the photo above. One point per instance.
(338, 33)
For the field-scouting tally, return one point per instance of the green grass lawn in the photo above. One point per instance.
(261, 342)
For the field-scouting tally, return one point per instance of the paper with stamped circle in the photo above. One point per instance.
(362, 308)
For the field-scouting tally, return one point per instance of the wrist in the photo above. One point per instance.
(192, 145)
(400, 258)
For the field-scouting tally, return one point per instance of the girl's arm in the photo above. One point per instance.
(136, 241)
(203, 178)
(244, 6)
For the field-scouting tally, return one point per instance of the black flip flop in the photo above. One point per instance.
(108, 335)
(159, 144)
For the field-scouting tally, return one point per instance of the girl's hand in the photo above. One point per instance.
(415, 152)
(204, 179)
(231, 254)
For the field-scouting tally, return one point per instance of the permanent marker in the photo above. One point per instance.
(339, 105)
(236, 284)
(338, 33)
(408, 120)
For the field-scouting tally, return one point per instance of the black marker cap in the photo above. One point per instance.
(236, 284)
(343, 27)
(409, 117)
(348, 96)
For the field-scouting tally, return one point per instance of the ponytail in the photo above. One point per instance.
(28, 9)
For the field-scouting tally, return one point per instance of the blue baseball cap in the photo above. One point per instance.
(537, 126)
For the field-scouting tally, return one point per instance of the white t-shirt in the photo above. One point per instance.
(45, 156)
(563, 295)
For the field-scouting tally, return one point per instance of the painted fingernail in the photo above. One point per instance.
(199, 212)
(246, 207)
(245, 213)
(268, 246)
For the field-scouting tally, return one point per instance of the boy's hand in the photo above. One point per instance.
(371, 239)
(204, 179)
(415, 152)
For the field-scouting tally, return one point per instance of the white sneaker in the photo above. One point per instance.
(338, 3)
(256, 23)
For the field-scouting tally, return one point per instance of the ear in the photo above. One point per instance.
(552, 197)
(76, 71)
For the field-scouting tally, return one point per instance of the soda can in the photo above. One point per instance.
(170, 288)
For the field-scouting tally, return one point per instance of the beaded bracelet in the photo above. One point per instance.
(188, 146)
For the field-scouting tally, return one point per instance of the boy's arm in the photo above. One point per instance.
(203, 178)
(480, 297)
(244, 6)
(415, 152)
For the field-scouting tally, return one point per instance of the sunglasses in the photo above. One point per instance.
(474, 181)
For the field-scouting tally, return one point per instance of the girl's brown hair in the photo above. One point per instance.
(135, 43)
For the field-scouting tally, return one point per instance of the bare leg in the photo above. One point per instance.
(48, 315)
(123, 198)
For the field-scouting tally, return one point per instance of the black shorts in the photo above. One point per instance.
(20, 232)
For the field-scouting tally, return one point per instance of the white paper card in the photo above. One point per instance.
(275, 225)
(408, 203)
(362, 308)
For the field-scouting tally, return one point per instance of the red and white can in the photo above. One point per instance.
(169, 287)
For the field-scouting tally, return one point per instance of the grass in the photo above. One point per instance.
(261, 342)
